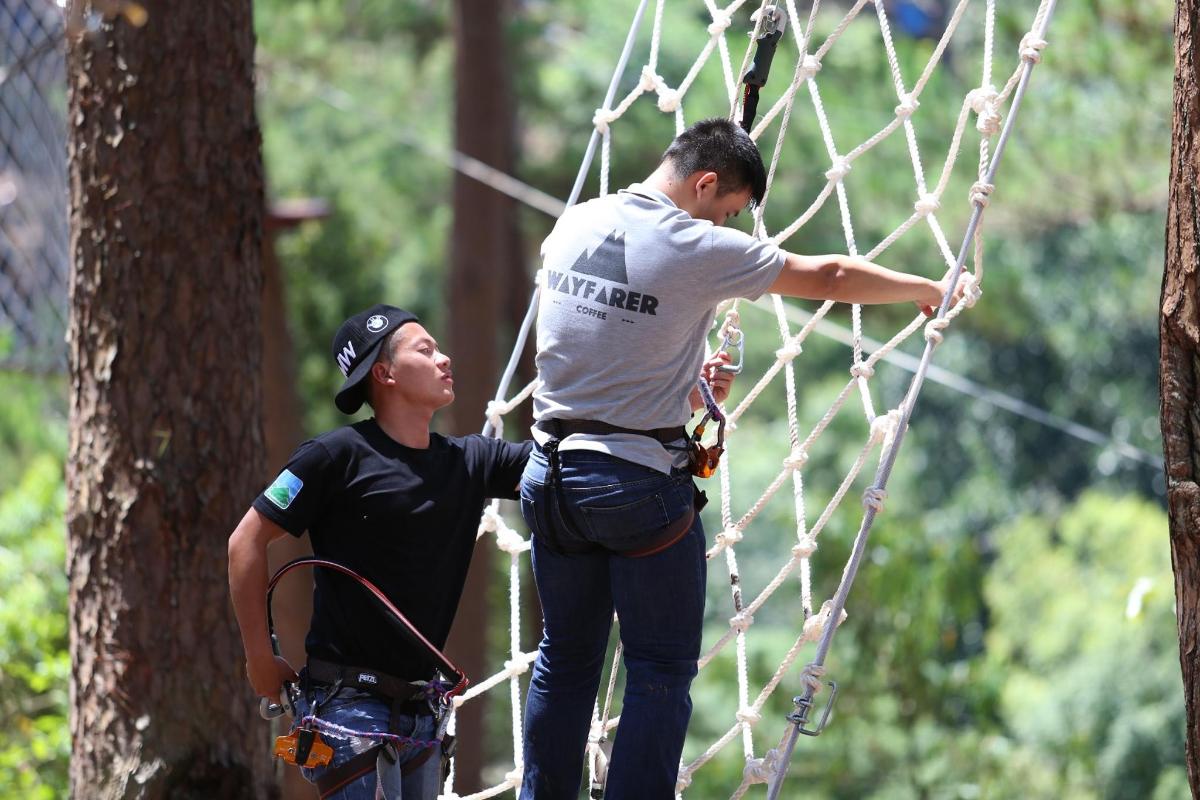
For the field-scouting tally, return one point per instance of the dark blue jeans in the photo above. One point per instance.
(360, 711)
(659, 600)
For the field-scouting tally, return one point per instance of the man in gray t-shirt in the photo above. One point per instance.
(629, 287)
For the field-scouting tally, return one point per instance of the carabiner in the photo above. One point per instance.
(734, 338)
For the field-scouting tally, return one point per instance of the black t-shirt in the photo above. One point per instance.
(404, 519)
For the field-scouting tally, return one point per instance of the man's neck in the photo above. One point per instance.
(408, 426)
(663, 179)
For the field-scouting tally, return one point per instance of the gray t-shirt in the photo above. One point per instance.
(629, 287)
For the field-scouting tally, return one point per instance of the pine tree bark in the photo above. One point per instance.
(482, 243)
(1179, 354)
(166, 448)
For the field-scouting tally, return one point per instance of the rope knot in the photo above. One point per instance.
(683, 782)
(490, 521)
(668, 100)
(729, 536)
(981, 193)
(884, 426)
(796, 459)
(873, 498)
(811, 677)
(838, 171)
(986, 103)
(513, 669)
(789, 351)
(1031, 48)
(513, 777)
(510, 541)
(494, 412)
(908, 105)
(650, 80)
(814, 626)
(927, 204)
(741, 621)
(804, 548)
(934, 328)
(748, 716)
(761, 770)
(810, 66)
(603, 118)
(862, 369)
(972, 291)
(721, 21)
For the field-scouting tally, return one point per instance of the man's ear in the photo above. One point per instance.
(706, 185)
(382, 373)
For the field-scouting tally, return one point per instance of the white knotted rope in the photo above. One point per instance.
(988, 105)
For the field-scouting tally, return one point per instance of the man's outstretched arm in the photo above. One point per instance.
(248, 587)
(849, 279)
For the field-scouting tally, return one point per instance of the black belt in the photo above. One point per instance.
(368, 680)
(562, 428)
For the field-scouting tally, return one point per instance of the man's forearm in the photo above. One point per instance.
(850, 279)
(248, 589)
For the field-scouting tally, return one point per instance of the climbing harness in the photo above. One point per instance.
(303, 745)
(772, 25)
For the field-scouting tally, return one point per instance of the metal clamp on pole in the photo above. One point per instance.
(770, 31)
(799, 722)
(804, 705)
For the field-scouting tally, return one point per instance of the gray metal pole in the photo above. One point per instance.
(804, 703)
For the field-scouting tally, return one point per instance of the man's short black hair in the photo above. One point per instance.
(719, 145)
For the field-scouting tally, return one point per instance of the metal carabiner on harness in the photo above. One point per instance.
(773, 23)
(736, 339)
(703, 460)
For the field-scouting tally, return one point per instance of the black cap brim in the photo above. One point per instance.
(353, 393)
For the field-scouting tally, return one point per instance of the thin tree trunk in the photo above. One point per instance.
(481, 245)
(282, 432)
(1179, 353)
(166, 448)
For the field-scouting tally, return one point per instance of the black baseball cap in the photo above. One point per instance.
(357, 344)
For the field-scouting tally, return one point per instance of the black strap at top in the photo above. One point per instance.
(562, 428)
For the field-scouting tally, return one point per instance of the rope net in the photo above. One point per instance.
(983, 110)
(33, 184)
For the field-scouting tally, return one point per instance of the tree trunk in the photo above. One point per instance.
(166, 447)
(282, 433)
(482, 243)
(1179, 353)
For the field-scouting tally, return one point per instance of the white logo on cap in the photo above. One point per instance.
(377, 323)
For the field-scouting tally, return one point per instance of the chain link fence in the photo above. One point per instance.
(34, 246)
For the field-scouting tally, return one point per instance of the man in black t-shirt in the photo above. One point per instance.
(400, 506)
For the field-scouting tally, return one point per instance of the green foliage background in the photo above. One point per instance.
(1012, 634)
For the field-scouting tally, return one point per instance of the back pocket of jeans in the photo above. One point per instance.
(625, 526)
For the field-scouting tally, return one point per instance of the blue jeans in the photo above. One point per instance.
(360, 711)
(659, 599)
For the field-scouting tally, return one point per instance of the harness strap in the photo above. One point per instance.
(361, 765)
(562, 428)
(409, 631)
(363, 679)
(336, 778)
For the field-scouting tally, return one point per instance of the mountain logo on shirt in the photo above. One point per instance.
(607, 264)
(284, 490)
(607, 261)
